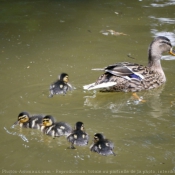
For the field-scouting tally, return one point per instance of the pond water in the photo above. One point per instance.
(39, 40)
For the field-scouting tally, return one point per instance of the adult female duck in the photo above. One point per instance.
(132, 77)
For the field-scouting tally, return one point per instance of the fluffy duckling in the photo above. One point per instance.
(132, 77)
(102, 146)
(55, 129)
(27, 121)
(78, 136)
(61, 86)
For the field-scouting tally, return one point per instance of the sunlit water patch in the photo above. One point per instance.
(164, 4)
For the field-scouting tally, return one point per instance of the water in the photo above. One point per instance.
(41, 39)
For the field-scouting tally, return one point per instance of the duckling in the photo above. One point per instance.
(102, 146)
(27, 121)
(78, 136)
(132, 77)
(55, 129)
(61, 86)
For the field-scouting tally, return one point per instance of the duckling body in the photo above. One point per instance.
(131, 77)
(78, 136)
(102, 146)
(61, 86)
(55, 129)
(27, 121)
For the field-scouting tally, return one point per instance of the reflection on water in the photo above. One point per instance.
(40, 39)
(118, 102)
(164, 4)
(164, 20)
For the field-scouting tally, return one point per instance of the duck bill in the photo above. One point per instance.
(172, 52)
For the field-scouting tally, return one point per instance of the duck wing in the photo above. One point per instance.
(126, 70)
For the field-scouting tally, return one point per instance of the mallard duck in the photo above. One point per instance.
(102, 146)
(61, 86)
(78, 136)
(55, 129)
(132, 77)
(26, 120)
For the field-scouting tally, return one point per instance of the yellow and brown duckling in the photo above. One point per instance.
(26, 120)
(78, 136)
(132, 77)
(55, 129)
(61, 86)
(102, 146)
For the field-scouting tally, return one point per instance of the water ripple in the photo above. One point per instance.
(164, 20)
(171, 2)
(23, 137)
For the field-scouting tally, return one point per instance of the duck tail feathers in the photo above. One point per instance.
(86, 87)
(99, 86)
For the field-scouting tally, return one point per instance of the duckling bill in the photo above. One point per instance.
(78, 136)
(61, 86)
(25, 120)
(102, 146)
(132, 77)
(55, 129)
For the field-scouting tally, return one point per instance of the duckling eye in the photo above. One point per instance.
(45, 120)
(66, 78)
(22, 117)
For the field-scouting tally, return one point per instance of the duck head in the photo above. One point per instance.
(23, 117)
(79, 126)
(48, 120)
(98, 137)
(64, 77)
(159, 45)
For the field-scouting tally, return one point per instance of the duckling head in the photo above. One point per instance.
(48, 120)
(23, 117)
(159, 45)
(98, 137)
(64, 77)
(79, 126)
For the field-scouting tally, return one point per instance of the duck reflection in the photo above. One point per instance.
(149, 102)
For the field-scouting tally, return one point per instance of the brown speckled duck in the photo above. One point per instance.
(132, 77)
